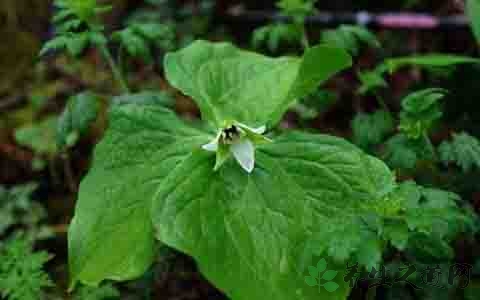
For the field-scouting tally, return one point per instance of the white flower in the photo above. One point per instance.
(239, 140)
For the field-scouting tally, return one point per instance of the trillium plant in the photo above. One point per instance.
(254, 208)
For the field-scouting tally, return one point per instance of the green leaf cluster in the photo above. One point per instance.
(77, 27)
(138, 38)
(297, 8)
(420, 110)
(402, 152)
(39, 137)
(18, 211)
(21, 271)
(350, 38)
(83, 10)
(371, 129)
(463, 150)
(274, 35)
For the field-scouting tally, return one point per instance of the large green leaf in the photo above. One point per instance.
(245, 231)
(473, 12)
(111, 236)
(232, 84)
(249, 233)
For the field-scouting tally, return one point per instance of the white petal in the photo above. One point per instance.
(244, 153)
(212, 146)
(259, 130)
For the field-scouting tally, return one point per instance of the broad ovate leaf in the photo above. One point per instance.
(246, 231)
(254, 228)
(111, 236)
(232, 84)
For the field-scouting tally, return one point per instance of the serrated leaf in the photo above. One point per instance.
(401, 152)
(329, 275)
(79, 114)
(420, 110)
(274, 35)
(464, 150)
(111, 236)
(21, 271)
(371, 129)
(350, 38)
(231, 84)
(136, 45)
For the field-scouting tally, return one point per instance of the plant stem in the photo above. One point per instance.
(69, 177)
(382, 103)
(117, 74)
(430, 146)
(305, 41)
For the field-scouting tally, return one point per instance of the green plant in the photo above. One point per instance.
(350, 38)
(19, 213)
(463, 150)
(80, 112)
(21, 271)
(292, 32)
(250, 207)
(39, 137)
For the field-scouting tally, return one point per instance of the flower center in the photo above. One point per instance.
(230, 134)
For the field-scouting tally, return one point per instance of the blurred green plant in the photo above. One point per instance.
(291, 32)
(21, 271)
(351, 38)
(473, 12)
(80, 112)
(40, 137)
(371, 129)
(19, 213)
(420, 111)
(463, 150)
